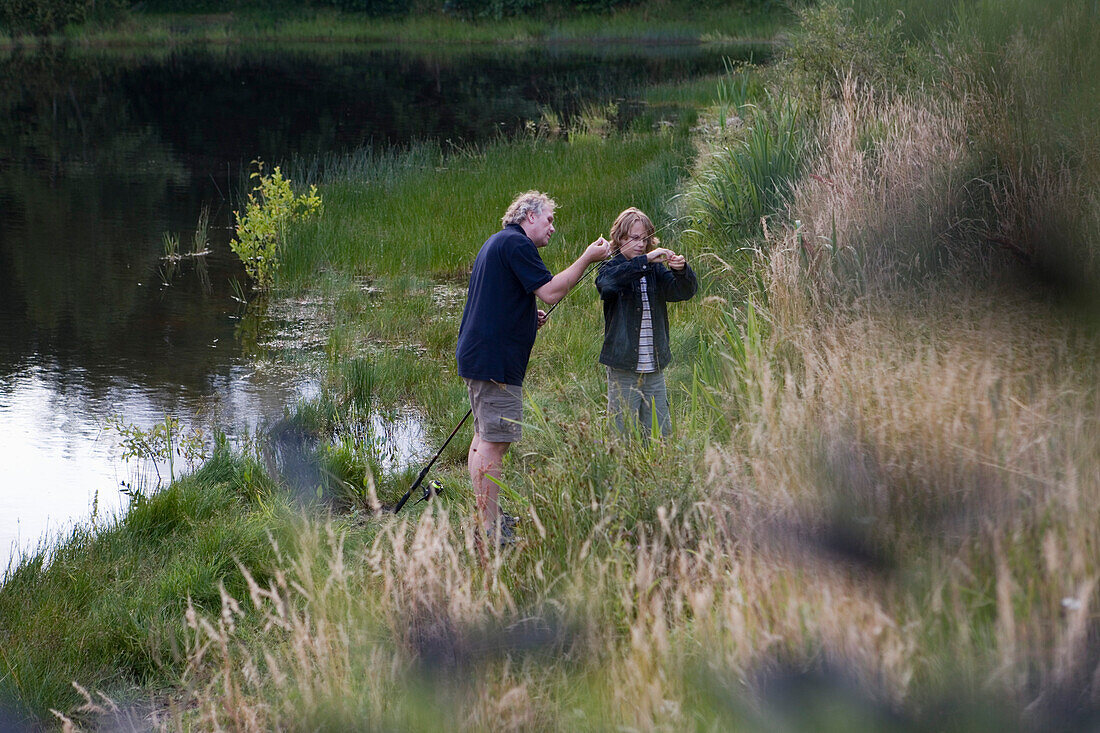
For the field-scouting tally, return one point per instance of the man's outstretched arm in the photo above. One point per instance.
(563, 282)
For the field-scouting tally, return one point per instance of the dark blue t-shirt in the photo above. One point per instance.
(500, 319)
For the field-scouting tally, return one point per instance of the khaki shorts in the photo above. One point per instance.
(498, 409)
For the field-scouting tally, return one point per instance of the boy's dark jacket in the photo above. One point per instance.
(618, 283)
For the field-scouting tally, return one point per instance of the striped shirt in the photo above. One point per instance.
(647, 361)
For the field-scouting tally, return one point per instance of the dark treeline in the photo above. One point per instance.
(45, 16)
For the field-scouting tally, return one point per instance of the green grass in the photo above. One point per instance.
(410, 224)
(744, 177)
(430, 216)
(664, 22)
(105, 605)
(399, 234)
(392, 253)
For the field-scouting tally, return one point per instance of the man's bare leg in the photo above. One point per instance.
(485, 459)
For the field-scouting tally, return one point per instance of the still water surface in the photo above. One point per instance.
(102, 154)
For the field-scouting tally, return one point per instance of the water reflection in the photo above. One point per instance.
(54, 463)
(103, 153)
(399, 439)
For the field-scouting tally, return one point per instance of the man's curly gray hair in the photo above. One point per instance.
(530, 202)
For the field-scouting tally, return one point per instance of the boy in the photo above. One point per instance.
(635, 285)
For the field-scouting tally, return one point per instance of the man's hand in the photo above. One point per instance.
(676, 262)
(559, 285)
(598, 251)
(660, 254)
(541, 318)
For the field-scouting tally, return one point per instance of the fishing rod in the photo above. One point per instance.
(434, 486)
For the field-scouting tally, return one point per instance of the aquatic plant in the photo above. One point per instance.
(262, 229)
(161, 443)
(200, 248)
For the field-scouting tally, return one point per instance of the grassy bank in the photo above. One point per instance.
(874, 511)
(651, 22)
(106, 604)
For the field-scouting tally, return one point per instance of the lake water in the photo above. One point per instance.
(102, 154)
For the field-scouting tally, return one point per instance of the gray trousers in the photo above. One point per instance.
(633, 398)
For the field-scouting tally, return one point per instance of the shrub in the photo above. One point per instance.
(272, 208)
(832, 45)
(163, 442)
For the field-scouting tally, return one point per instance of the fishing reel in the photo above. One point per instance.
(431, 488)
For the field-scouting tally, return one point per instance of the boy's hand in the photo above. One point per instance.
(660, 254)
(677, 262)
(541, 318)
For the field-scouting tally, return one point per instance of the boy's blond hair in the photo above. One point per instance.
(623, 224)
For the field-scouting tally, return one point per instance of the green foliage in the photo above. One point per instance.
(113, 600)
(594, 120)
(492, 9)
(746, 179)
(832, 43)
(372, 7)
(163, 442)
(357, 378)
(348, 468)
(597, 512)
(105, 605)
(46, 16)
(744, 340)
(271, 210)
(433, 213)
(434, 21)
(497, 9)
(739, 88)
(221, 6)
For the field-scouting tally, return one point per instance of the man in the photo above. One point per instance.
(497, 333)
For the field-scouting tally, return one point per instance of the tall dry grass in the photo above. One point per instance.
(923, 390)
(407, 633)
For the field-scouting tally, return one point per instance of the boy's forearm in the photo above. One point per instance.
(679, 285)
